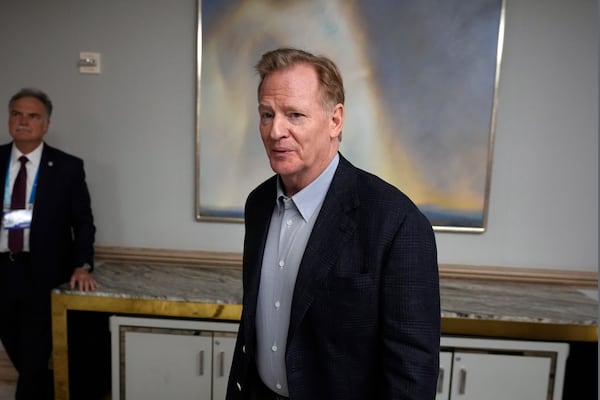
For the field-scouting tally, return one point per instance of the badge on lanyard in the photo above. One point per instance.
(17, 219)
(20, 218)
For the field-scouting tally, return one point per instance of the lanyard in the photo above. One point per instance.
(7, 186)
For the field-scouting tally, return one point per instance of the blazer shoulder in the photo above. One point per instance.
(52, 153)
(266, 189)
(374, 194)
(5, 149)
(367, 185)
(260, 202)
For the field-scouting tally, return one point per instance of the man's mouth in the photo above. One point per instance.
(281, 150)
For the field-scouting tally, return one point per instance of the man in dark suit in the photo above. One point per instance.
(46, 239)
(341, 288)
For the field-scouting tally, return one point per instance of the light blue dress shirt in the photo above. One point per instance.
(291, 225)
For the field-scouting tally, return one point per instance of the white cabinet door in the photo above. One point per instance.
(162, 366)
(223, 347)
(500, 377)
(444, 376)
(170, 359)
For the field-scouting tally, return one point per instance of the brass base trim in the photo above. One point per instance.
(234, 260)
(519, 330)
(62, 303)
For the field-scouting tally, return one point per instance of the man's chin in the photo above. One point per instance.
(282, 168)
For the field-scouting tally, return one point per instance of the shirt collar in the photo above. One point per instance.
(34, 157)
(308, 199)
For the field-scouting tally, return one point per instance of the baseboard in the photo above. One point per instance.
(184, 258)
(447, 271)
(518, 274)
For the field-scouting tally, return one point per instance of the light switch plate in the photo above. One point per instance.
(89, 62)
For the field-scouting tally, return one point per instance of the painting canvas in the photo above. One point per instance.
(420, 79)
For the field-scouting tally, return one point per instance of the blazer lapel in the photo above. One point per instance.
(44, 179)
(257, 229)
(334, 226)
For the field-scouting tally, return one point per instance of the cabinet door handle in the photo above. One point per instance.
(221, 363)
(462, 381)
(440, 382)
(201, 361)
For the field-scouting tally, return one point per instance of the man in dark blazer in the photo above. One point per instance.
(341, 288)
(56, 244)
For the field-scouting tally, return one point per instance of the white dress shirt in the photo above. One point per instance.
(32, 167)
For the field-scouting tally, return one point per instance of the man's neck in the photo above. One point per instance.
(27, 147)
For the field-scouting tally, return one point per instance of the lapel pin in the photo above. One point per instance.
(50, 163)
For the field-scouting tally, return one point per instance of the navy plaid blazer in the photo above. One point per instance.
(365, 318)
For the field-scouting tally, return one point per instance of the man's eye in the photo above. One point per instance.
(295, 115)
(266, 115)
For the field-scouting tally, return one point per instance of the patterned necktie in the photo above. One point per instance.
(17, 202)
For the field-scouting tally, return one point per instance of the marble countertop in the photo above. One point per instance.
(190, 284)
(522, 302)
(502, 301)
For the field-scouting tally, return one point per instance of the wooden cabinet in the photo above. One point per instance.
(161, 359)
(476, 369)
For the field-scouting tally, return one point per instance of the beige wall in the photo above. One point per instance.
(134, 125)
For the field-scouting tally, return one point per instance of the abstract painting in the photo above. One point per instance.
(420, 77)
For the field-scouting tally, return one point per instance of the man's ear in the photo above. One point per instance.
(337, 120)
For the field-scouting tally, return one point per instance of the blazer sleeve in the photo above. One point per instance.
(410, 309)
(82, 221)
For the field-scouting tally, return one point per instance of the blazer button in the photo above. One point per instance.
(244, 349)
(239, 387)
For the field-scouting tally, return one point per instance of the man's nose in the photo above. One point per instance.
(278, 128)
(24, 120)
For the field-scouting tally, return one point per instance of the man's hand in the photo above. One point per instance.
(83, 280)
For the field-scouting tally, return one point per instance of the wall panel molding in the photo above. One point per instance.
(191, 258)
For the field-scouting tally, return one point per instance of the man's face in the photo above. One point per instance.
(300, 137)
(27, 122)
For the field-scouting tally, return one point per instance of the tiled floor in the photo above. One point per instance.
(7, 392)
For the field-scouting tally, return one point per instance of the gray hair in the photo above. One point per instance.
(35, 93)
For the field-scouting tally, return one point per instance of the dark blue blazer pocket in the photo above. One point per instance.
(350, 301)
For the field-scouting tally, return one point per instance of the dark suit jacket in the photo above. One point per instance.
(62, 228)
(365, 318)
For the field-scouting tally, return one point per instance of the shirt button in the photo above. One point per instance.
(289, 222)
(278, 386)
(277, 304)
(274, 347)
(281, 263)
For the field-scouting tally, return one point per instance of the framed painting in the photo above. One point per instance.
(420, 76)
